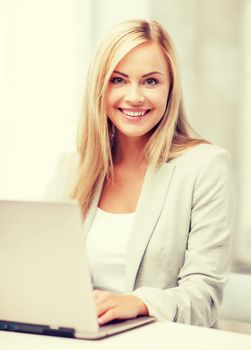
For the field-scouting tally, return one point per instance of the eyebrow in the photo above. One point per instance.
(145, 75)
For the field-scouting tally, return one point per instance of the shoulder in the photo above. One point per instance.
(67, 166)
(60, 186)
(201, 153)
(203, 166)
(68, 162)
(203, 156)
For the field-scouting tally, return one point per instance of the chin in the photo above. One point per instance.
(135, 134)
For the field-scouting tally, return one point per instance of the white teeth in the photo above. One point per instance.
(134, 114)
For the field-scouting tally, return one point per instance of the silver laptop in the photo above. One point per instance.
(45, 282)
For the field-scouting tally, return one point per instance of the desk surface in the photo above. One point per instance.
(159, 335)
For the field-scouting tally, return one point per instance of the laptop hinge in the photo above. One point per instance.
(36, 329)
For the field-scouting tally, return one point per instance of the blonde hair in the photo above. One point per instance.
(170, 137)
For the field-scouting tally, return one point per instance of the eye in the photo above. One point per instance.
(117, 80)
(150, 81)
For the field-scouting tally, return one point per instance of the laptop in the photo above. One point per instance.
(45, 284)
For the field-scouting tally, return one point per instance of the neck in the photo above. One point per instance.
(129, 150)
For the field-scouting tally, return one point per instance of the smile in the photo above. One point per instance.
(133, 112)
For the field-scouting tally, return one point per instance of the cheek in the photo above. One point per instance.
(159, 99)
(112, 98)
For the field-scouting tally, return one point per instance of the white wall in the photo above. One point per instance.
(108, 12)
(46, 46)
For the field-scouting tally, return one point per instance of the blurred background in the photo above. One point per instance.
(45, 48)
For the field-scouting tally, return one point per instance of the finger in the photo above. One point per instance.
(102, 308)
(110, 315)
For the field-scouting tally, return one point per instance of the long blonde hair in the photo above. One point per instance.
(170, 138)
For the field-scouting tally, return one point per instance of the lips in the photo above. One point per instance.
(133, 112)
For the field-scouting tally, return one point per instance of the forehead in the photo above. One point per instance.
(144, 58)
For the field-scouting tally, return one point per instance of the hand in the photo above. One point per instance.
(112, 306)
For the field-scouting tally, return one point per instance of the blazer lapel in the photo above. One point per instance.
(150, 204)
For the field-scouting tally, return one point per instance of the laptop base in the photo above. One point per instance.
(114, 327)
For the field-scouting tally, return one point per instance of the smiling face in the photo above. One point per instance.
(137, 94)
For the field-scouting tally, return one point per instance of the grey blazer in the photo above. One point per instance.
(179, 246)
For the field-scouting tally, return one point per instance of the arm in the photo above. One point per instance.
(197, 297)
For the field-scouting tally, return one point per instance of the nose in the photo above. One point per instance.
(134, 95)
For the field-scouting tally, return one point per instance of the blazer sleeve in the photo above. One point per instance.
(198, 295)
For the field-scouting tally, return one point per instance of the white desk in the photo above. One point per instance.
(156, 336)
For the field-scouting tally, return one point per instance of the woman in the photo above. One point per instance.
(156, 201)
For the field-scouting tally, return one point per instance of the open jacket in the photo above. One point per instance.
(179, 246)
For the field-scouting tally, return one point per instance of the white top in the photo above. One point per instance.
(106, 249)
